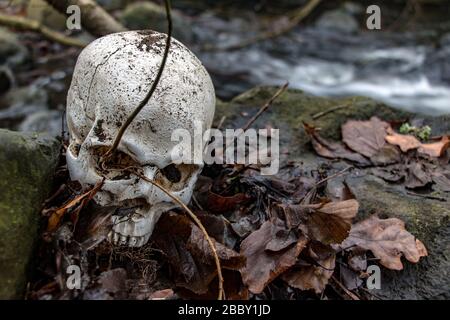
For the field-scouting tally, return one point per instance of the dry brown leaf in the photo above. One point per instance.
(188, 253)
(331, 222)
(387, 239)
(56, 216)
(264, 265)
(164, 294)
(365, 137)
(314, 276)
(220, 204)
(333, 150)
(442, 180)
(418, 176)
(435, 149)
(405, 142)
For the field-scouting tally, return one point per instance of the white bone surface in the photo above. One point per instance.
(112, 75)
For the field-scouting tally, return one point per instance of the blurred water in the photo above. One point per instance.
(398, 69)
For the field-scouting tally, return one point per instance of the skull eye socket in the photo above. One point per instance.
(172, 173)
(175, 177)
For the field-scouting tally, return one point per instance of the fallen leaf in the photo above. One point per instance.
(393, 173)
(221, 204)
(164, 294)
(404, 141)
(188, 253)
(333, 150)
(314, 276)
(365, 137)
(435, 149)
(387, 239)
(418, 176)
(442, 180)
(56, 216)
(331, 222)
(264, 265)
(349, 278)
(388, 154)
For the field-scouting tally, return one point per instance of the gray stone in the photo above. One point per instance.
(27, 164)
(339, 20)
(426, 218)
(46, 121)
(12, 52)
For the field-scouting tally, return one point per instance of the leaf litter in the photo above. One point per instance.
(280, 236)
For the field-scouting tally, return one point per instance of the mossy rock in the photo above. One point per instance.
(27, 164)
(426, 218)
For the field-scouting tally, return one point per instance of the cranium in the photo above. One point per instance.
(112, 75)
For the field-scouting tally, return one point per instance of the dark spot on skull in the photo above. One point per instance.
(98, 131)
(148, 42)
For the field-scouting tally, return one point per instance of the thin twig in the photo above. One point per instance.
(332, 176)
(426, 196)
(199, 225)
(255, 117)
(299, 15)
(152, 89)
(348, 292)
(266, 106)
(321, 114)
(34, 25)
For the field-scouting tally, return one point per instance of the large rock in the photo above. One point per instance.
(27, 164)
(426, 218)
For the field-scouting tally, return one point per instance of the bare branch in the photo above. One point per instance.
(34, 25)
(93, 17)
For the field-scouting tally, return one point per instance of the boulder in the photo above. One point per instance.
(425, 217)
(27, 164)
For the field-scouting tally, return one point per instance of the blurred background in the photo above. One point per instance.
(322, 47)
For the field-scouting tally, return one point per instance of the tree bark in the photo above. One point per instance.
(94, 18)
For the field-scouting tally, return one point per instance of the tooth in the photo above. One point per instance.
(115, 237)
(133, 241)
(123, 240)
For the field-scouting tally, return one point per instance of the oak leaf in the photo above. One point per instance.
(387, 239)
(263, 264)
(365, 137)
(315, 275)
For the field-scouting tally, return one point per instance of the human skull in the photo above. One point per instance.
(112, 76)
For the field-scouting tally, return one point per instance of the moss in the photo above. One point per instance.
(27, 163)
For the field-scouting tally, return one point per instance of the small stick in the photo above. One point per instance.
(34, 25)
(348, 292)
(266, 106)
(222, 120)
(321, 114)
(152, 89)
(299, 15)
(426, 196)
(332, 176)
(199, 224)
